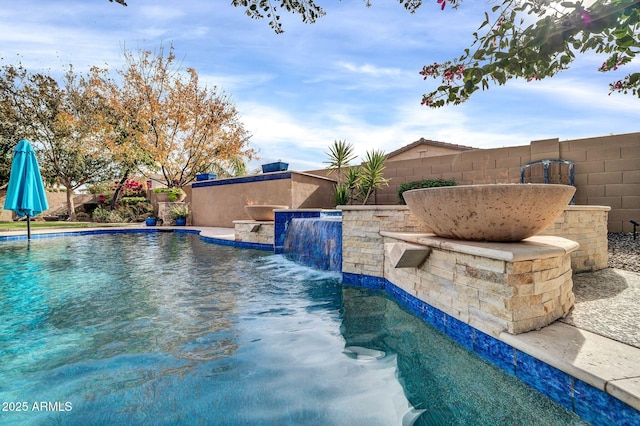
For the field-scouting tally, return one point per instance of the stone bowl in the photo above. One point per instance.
(263, 212)
(494, 212)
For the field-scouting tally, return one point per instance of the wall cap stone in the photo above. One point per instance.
(587, 208)
(536, 247)
(374, 207)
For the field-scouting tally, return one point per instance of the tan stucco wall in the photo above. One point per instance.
(423, 151)
(57, 203)
(220, 205)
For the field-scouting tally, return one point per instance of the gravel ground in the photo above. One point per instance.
(624, 251)
(608, 301)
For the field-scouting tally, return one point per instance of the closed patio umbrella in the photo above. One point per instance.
(25, 193)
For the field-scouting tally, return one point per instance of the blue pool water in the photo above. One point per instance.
(166, 329)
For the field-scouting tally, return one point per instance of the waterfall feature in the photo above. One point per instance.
(315, 242)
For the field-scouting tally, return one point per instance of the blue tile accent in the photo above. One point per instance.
(434, 316)
(375, 283)
(351, 279)
(600, 408)
(548, 380)
(238, 244)
(496, 352)
(242, 179)
(459, 331)
(72, 233)
(281, 225)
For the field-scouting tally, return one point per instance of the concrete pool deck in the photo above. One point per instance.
(591, 351)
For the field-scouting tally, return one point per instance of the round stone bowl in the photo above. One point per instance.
(495, 212)
(263, 212)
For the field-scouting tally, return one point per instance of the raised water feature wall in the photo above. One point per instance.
(586, 225)
(363, 251)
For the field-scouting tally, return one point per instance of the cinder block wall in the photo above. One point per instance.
(607, 171)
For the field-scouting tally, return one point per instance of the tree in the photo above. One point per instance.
(516, 39)
(512, 48)
(182, 127)
(9, 123)
(62, 122)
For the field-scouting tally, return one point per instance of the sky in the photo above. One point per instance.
(353, 75)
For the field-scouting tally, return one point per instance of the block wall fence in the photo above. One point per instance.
(607, 171)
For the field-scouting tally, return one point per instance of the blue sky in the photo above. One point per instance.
(353, 75)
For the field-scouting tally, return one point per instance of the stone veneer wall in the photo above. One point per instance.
(362, 245)
(251, 231)
(586, 225)
(493, 287)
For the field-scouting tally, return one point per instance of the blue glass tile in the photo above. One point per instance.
(243, 179)
(459, 331)
(496, 352)
(600, 408)
(550, 381)
(351, 279)
(434, 316)
(376, 283)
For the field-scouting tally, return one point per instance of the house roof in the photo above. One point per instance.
(423, 141)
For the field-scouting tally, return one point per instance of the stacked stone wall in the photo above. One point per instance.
(362, 244)
(586, 225)
(250, 231)
(492, 295)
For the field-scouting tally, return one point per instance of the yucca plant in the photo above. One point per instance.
(341, 197)
(340, 155)
(371, 176)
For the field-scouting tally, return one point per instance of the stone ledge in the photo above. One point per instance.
(601, 362)
(533, 248)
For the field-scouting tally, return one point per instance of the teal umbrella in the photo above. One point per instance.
(25, 193)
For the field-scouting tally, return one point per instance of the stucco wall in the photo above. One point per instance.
(222, 201)
(57, 204)
(422, 151)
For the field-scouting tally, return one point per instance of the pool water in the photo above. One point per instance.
(159, 328)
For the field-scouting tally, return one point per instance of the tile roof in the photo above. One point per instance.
(423, 141)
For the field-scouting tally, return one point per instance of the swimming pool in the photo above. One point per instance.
(160, 328)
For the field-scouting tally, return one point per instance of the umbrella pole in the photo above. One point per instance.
(28, 227)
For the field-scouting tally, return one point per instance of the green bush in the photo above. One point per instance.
(100, 188)
(133, 200)
(172, 193)
(100, 214)
(425, 183)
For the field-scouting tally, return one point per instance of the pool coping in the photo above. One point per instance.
(605, 364)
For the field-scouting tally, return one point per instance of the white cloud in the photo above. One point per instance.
(370, 69)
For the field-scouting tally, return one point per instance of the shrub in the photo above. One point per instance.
(133, 200)
(131, 188)
(83, 217)
(100, 214)
(99, 188)
(425, 183)
(114, 216)
(172, 193)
